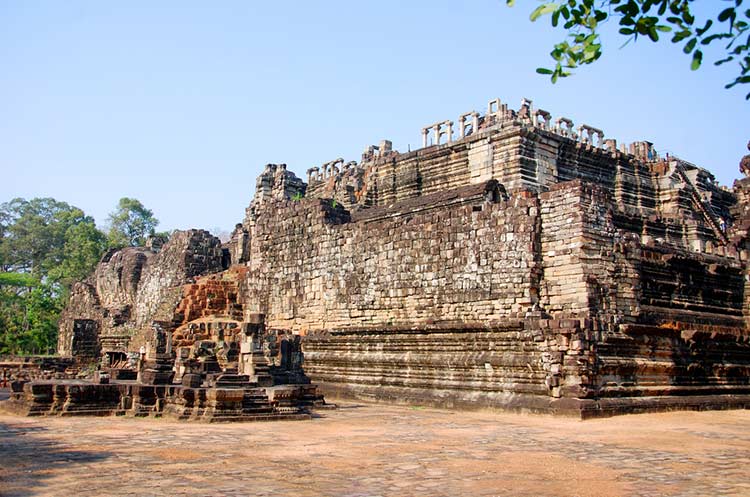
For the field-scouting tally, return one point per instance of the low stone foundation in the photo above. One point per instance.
(81, 398)
(13, 368)
(564, 367)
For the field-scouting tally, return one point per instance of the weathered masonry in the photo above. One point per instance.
(515, 261)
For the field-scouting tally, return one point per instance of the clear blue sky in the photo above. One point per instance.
(180, 104)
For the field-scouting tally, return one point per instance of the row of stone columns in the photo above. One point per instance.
(468, 123)
(587, 134)
(438, 130)
(329, 170)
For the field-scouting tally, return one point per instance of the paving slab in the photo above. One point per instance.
(370, 450)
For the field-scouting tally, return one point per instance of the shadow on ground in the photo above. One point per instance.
(28, 458)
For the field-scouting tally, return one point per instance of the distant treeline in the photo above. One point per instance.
(45, 247)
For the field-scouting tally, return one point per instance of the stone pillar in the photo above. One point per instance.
(566, 131)
(335, 166)
(462, 125)
(526, 110)
(544, 116)
(252, 361)
(157, 369)
(493, 107)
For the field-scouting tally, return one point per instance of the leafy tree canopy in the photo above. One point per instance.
(130, 224)
(29, 310)
(729, 30)
(84, 245)
(43, 237)
(45, 245)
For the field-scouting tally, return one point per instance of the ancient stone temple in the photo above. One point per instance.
(515, 261)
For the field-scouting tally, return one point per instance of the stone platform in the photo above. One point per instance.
(130, 398)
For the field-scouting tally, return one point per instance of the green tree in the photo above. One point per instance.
(84, 246)
(130, 224)
(729, 27)
(45, 246)
(40, 236)
(29, 310)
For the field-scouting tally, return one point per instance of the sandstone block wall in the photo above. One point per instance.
(466, 260)
(569, 350)
(590, 266)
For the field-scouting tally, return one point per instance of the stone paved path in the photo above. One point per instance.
(374, 450)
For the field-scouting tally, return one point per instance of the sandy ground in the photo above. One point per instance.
(380, 450)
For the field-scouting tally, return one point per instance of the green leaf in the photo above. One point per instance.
(701, 32)
(545, 8)
(716, 36)
(679, 36)
(697, 59)
(555, 18)
(689, 46)
(542, 70)
(724, 61)
(726, 14)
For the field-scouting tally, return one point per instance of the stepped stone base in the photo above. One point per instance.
(80, 398)
(535, 365)
(520, 403)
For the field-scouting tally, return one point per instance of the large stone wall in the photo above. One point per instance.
(463, 259)
(525, 302)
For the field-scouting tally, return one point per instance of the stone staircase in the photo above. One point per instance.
(704, 207)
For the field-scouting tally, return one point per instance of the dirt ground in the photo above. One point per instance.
(380, 450)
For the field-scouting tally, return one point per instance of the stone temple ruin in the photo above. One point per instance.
(515, 261)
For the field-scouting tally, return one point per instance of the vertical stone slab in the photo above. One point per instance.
(480, 160)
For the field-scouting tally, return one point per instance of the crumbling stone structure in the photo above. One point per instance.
(520, 263)
(109, 312)
(168, 342)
